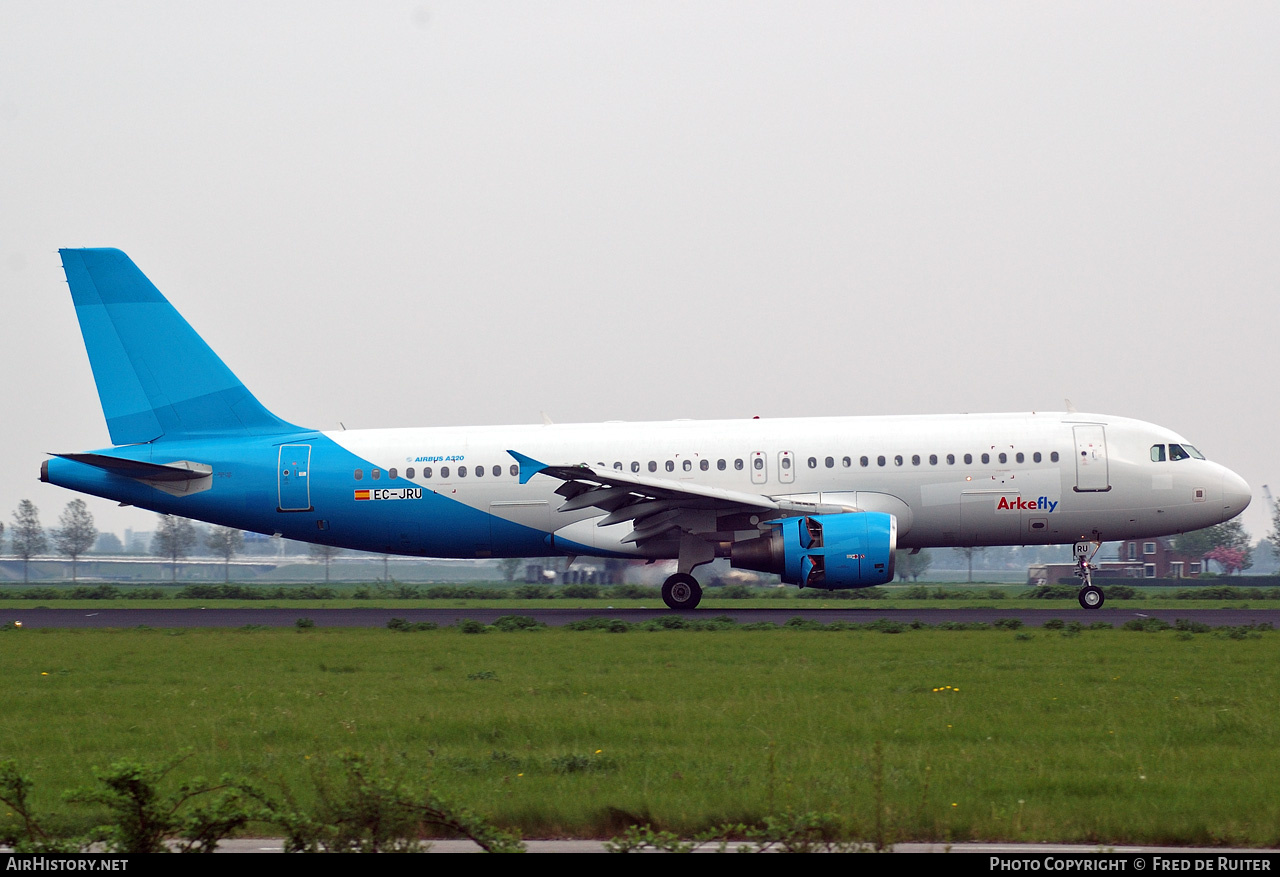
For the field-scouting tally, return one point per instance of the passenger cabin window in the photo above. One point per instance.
(897, 459)
(1053, 457)
(444, 471)
(813, 462)
(915, 459)
(408, 473)
(392, 474)
(704, 465)
(846, 462)
(1036, 456)
(831, 462)
(462, 471)
(1004, 458)
(880, 461)
(968, 459)
(671, 466)
(480, 471)
(721, 465)
(986, 458)
(497, 470)
(635, 465)
(688, 465)
(653, 466)
(933, 459)
(359, 475)
(737, 464)
(864, 462)
(375, 474)
(786, 463)
(1021, 458)
(758, 463)
(426, 471)
(951, 459)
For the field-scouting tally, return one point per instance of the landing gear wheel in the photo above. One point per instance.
(681, 591)
(1091, 597)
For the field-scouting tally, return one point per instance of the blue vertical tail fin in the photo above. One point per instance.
(157, 379)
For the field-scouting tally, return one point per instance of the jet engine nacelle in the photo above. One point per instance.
(853, 550)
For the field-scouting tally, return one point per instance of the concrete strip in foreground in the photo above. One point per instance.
(275, 845)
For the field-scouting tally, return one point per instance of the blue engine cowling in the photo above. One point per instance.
(853, 550)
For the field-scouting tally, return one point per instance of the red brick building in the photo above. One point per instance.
(1159, 560)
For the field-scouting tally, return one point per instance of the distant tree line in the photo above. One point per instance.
(1228, 545)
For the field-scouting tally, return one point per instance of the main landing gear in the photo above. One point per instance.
(1091, 596)
(681, 591)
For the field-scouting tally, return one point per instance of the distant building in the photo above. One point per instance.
(1138, 559)
(1160, 560)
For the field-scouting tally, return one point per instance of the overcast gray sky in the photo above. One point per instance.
(417, 214)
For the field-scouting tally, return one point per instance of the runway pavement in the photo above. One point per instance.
(36, 618)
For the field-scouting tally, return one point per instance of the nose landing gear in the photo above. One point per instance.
(1091, 596)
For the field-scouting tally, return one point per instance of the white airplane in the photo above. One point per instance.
(823, 502)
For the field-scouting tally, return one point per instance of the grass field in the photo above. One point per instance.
(1100, 737)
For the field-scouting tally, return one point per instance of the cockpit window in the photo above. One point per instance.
(1177, 453)
(1157, 453)
(1193, 452)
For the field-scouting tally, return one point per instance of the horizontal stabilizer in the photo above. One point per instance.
(180, 478)
(183, 470)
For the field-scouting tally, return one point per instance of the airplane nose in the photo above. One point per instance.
(1236, 494)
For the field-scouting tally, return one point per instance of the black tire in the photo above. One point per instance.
(681, 591)
(1091, 597)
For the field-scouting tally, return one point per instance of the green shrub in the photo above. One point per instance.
(884, 625)
(193, 818)
(633, 592)
(143, 594)
(94, 592)
(405, 626)
(580, 592)
(532, 592)
(510, 623)
(1148, 625)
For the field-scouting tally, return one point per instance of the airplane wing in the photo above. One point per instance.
(658, 506)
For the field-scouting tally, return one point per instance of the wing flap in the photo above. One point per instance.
(658, 505)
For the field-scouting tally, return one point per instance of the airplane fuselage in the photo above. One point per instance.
(950, 480)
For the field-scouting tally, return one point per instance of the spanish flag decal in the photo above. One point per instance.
(362, 494)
